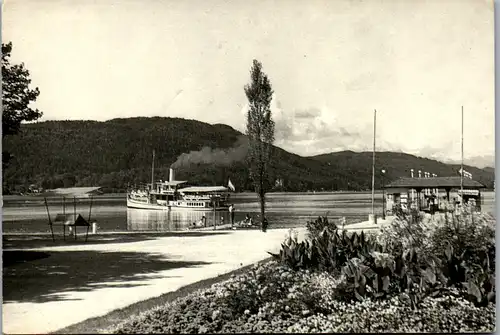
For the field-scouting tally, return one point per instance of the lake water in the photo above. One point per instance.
(29, 214)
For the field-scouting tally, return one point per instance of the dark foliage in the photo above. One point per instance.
(16, 98)
(315, 228)
(328, 251)
(409, 267)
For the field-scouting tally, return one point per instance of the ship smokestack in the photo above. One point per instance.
(171, 175)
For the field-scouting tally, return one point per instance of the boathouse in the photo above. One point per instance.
(78, 192)
(427, 194)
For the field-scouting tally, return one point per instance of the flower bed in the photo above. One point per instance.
(402, 281)
(271, 298)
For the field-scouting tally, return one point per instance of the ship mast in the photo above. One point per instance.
(153, 171)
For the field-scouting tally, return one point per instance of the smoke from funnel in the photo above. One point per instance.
(208, 155)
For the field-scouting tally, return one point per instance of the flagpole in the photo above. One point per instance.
(373, 164)
(462, 164)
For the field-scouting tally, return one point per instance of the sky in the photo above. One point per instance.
(331, 64)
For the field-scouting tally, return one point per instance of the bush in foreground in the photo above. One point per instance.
(271, 298)
(419, 255)
(404, 281)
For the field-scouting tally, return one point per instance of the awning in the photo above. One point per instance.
(203, 189)
(434, 182)
(469, 192)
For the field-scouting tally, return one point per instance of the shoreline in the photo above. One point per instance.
(226, 227)
(16, 198)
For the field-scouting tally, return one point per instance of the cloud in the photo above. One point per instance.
(477, 161)
(314, 131)
(308, 114)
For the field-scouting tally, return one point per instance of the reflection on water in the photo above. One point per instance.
(155, 220)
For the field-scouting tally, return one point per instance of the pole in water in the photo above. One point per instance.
(50, 221)
(90, 209)
(74, 215)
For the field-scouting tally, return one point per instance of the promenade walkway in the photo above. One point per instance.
(152, 267)
(63, 285)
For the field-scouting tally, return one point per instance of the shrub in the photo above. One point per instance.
(328, 251)
(406, 231)
(321, 224)
(461, 247)
(469, 232)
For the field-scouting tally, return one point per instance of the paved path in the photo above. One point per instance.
(367, 225)
(223, 253)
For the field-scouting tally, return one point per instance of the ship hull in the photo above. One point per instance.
(149, 206)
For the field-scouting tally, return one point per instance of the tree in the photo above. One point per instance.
(260, 132)
(16, 97)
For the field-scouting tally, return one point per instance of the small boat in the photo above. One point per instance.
(176, 195)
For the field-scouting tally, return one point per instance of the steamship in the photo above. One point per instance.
(177, 195)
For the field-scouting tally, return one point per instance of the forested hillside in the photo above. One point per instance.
(397, 164)
(118, 152)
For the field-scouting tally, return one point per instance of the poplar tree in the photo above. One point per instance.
(260, 132)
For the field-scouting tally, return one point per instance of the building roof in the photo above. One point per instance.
(434, 182)
(173, 183)
(195, 189)
(70, 220)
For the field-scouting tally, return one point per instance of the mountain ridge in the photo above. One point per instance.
(118, 152)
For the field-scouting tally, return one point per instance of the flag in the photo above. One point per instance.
(231, 186)
(465, 173)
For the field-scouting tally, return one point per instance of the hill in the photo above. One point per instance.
(118, 152)
(398, 164)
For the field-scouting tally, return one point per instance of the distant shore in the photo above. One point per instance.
(14, 197)
(121, 196)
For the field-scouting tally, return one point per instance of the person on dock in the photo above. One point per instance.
(248, 220)
(264, 225)
(202, 222)
(231, 214)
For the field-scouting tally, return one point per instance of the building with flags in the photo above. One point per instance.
(231, 186)
(426, 193)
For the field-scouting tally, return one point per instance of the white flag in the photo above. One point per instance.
(465, 173)
(231, 186)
